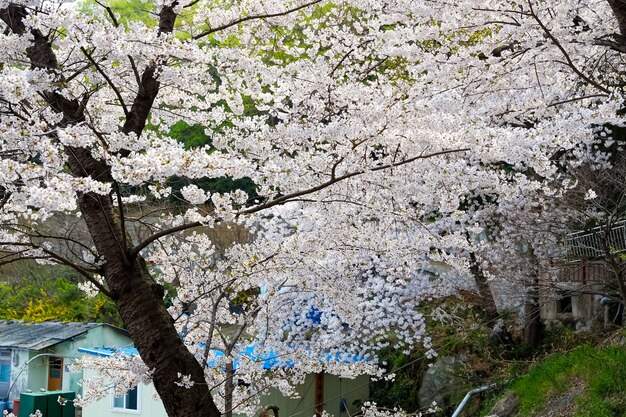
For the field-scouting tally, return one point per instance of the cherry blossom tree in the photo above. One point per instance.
(379, 136)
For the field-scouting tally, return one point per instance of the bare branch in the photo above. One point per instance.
(110, 13)
(557, 103)
(286, 198)
(120, 207)
(254, 17)
(142, 245)
(108, 80)
(60, 259)
(568, 59)
(5, 199)
(614, 45)
(135, 71)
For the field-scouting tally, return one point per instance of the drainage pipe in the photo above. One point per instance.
(467, 397)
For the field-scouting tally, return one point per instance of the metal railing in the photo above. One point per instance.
(592, 243)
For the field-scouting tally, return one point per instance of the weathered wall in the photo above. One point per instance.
(34, 375)
(335, 389)
(96, 337)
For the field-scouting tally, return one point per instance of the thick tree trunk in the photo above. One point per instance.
(139, 300)
(488, 303)
(140, 304)
(229, 389)
(138, 297)
(533, 327)
(619, 10)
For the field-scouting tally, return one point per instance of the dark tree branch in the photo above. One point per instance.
(19, 259)
(5, 199)
(254, 17)
(568, 59)
(60, 259)
(619, 10)
(289, 197)
(209, 341)
(110, 13)
(142, 245)
(120, 207)
(78, 72)
(191, 4)
(617, 45)
(558, 103)
(135, 71)
(286, 198)
(107, 79)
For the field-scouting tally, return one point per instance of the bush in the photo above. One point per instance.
(43, 299)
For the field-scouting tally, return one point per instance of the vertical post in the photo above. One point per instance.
(319, 393)
(229, 388)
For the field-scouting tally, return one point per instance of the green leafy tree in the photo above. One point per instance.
(44, 299)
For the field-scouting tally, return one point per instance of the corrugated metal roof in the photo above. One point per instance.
(37, 336)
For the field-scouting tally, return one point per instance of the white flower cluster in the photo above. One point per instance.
(396, 148)
(116, 375)
(185, 381)
(37, 413)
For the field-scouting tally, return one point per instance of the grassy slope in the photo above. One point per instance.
(602, 371)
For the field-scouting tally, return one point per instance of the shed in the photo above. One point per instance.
(35, 356)
(340, 397)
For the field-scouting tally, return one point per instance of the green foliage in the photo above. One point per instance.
(133, 11)
(194, 136)
(128, 11)
(58, 298)
(125, 11)
(214, 185)
(402, 392)
(242, 300)
(456, 334)
(191, 136)
(601, 371)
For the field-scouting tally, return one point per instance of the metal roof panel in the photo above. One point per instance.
(38, 336)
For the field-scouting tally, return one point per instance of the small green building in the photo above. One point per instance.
(34, 357)
(339, 397)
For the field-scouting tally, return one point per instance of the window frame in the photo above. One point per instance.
(127, 410)
(56, 364)
(6, 359)
(565, 303)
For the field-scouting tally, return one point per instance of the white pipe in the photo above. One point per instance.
(25, 365)
(467, 397)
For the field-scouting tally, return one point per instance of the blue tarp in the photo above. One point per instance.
(270, 358)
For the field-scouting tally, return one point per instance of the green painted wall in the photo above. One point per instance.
(37, 372)
(19, 375)
(148, 406)
(335, 389)
(96, 337)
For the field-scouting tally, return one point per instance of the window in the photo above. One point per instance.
(55, 373)
(5, 372)
(564, 304)
(128, 401)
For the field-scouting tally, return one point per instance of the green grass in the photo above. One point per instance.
(602, 371)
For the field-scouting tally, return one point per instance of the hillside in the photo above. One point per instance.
(586, 381)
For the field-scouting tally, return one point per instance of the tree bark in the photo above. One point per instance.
(488, 304)
(139, 299)
(229, 389)
(619, 10)
(533, 327)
